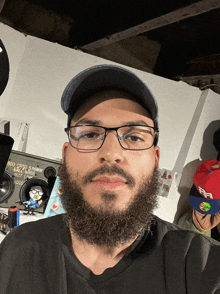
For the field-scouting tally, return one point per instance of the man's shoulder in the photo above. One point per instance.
(47, 229)
(169, 230)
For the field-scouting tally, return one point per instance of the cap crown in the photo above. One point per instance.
(207, 179)
(106, 77)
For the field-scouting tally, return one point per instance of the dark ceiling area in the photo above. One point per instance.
(180, 39)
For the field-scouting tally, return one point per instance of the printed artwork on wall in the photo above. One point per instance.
(54, 205)
(166, 179)
(18, 130)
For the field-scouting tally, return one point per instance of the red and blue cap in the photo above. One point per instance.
(205, 192)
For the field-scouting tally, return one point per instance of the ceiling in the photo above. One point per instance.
(173, 39)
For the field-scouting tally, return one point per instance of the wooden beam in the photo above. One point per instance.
(163, 20)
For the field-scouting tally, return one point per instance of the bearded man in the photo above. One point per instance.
(108, 241)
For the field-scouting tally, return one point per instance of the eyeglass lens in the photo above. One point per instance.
(130, 137)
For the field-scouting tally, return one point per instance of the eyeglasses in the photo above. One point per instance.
(131, 137)
(37, 192)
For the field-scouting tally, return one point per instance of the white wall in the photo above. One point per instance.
(39, 72)
(201, 147)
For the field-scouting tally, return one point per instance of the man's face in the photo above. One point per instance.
(110, 178)
(138, 164)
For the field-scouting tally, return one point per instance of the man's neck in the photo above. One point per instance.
(98, 258)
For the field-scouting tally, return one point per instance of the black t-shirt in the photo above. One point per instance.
(37, 258)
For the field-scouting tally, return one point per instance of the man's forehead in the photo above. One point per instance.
(108, 94)
(96, 122)
(117, 99)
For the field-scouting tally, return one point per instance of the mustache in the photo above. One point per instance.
(110, 170)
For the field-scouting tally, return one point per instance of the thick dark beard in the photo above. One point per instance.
(103, 227)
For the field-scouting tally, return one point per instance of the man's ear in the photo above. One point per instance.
(157, 153)
(65, 145)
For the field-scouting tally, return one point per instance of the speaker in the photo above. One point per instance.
(24, 171)
(6, 143)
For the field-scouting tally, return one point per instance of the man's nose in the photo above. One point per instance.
(111, 150)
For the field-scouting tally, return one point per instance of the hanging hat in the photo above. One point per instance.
(205, 192)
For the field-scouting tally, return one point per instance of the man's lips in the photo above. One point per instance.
(109, 179)
(109, 182)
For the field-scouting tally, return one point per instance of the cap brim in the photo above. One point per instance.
(205, 206)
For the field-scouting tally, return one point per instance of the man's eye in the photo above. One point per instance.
(133, 138)
(89, 136)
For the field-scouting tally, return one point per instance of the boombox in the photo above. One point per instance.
(24, 171)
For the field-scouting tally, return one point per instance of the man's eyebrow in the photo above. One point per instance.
(93, 122)
(136, 123)
(86, 121)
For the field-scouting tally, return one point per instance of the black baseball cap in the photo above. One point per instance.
(106, 77)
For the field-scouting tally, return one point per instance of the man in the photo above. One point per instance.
(109, 241)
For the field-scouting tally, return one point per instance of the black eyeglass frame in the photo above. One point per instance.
(156, 133)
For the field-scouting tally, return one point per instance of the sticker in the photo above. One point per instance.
(204, 206)
(215, 166)
(55, 206)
